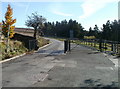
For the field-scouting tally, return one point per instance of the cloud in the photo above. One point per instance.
(27, 7)
(57, 8)
(61, 13)
(20, 4)
(91, 6)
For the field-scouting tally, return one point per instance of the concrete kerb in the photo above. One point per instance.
(6, 60)
(12, 58)
(43, 46)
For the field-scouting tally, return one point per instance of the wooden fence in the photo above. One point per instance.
(112, 47)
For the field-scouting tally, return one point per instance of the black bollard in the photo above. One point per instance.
(69, 46)
(65, 46)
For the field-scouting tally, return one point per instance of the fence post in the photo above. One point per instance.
(115, 47)
(86, 41)
(100, 45)
(90, 42)
(118, 49)
(112, 46)
(105, 45)
(94, 43)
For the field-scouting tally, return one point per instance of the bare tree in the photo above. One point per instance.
(36, 21)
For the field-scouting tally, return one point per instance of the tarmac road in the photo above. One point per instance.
(49, 67)
(82, 67)
(31, 68)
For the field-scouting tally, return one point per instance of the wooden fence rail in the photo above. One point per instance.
(103, 45)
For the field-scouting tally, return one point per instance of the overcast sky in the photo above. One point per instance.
(86, 12)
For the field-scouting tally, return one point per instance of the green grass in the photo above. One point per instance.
(60, 39)
(42, 42)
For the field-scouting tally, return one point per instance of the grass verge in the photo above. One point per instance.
(17, 48)
(42, 41)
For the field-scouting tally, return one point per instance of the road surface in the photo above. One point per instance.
(29, 69)
(49, 67)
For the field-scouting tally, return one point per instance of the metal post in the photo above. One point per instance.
(65, 46)
(69, 46)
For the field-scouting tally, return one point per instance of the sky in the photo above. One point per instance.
(86, 12)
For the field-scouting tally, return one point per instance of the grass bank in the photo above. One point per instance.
(17, 48)
(42, 41)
